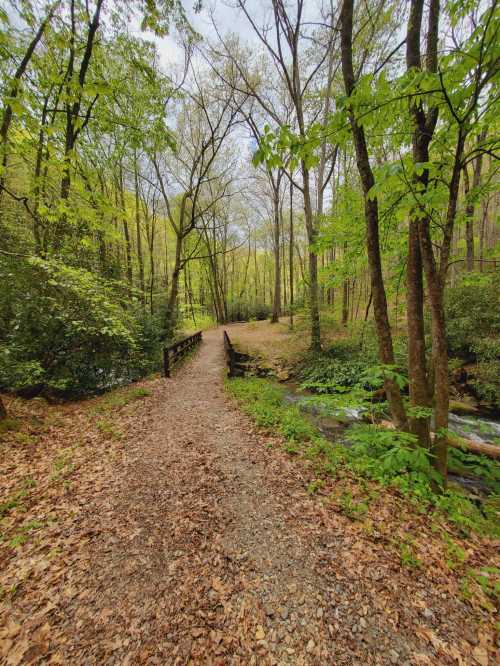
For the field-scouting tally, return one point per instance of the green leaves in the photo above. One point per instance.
(68, 331)
(284, 148)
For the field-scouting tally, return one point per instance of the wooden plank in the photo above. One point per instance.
(177, 350)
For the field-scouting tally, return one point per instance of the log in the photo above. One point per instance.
(490, 450)
(481, 448)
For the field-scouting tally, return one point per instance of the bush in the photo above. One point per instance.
(473, 315)
(326, 375)
(486, 382)
(68, 332)
(243, 311)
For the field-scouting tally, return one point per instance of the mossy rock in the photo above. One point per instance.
(463, 407)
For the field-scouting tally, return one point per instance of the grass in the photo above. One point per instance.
(15, 501)
(9, 425)
(119, 398)
(108, 429)
(63, 465)
(25, 532)
(385, 457)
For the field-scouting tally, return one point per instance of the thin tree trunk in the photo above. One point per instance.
(128, 250)
(138, 235)
(313, 263)
(291, 254)
(470, 208)
(14, 90)
(276, 251)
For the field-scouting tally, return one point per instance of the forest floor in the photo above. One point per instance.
(157, 525)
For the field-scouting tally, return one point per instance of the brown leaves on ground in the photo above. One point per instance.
(165, 530)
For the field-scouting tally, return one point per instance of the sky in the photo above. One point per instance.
(227, 17)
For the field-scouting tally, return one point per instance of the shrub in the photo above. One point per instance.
(324, 374)
(68, 332)
(473, 315)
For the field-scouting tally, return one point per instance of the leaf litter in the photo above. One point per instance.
(177, 535)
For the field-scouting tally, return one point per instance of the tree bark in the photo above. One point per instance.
(424, 124)
(128, 248)
(140, 258)
(276, 248)
(291, 241)
(14, 89)
(313, 263)
(470, 208)
(384, 335)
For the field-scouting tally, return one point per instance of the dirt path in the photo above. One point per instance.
(203, 547)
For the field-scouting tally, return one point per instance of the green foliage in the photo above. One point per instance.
(294, 427)
(407, 555)
(9, 425)
(344, 365)
(315, 485)
(455, 554)
(473, 316)
(327, 375)
(488, 579)
(465, 463)
(486, 382)
(108, 429)
(389, 457)
(244, 311)
(63, 465)
(66, 331)
(13, 502)
(473, 328)
(119, 398)
(25, 532)
(263, 401)
(353, 510)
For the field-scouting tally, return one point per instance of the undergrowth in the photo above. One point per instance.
(387, 457)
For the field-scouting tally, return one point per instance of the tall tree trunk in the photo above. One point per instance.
(470, 208)
(76, 118)
(291, 241)
(436, 276)
(384, 335)
(345, 293)
(138, 234)
(128, 247)
(276, 251)
(482, 233)
(417, 362)
(424, 124)
(171, 312)
(313, 262)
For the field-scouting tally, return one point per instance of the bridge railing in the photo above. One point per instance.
(174, 353)
(237, 362)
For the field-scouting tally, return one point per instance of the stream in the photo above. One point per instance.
(334, 427)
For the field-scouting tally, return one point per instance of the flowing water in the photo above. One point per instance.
(335, 426)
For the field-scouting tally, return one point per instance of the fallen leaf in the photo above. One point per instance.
(480, 655)
(260, 633)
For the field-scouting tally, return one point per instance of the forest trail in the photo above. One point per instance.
(200, 545)
(198, 560)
